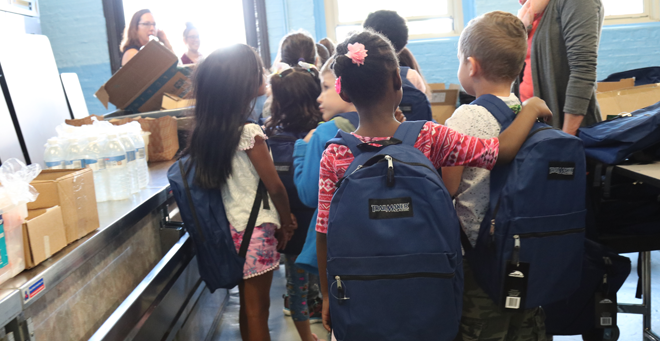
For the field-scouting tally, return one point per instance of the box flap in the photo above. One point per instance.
(611, 86)
(45, 232)
(103, 96)
(613, 103)
(140, 73)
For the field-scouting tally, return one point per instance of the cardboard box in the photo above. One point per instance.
(613, 103)
(43, 235)
(140, 84)
(73, 191)
(443, 101)
(175, 102)
(611, 86)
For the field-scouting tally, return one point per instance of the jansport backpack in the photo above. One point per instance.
(414, 103)
(394, 254)
(530, 245)
(281, 146)
(613, 141)
(205, 220)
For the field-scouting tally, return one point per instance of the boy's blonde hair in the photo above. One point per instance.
(498, 40)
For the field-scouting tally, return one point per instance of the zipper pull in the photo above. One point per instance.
(390, 171)
(516, 250)
(340, 290)
(356, 169)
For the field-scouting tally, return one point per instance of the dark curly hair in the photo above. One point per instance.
(391, 25)
(297, 46)
(366, 84)
(294, 107)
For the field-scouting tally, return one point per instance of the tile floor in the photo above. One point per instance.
(282, 328)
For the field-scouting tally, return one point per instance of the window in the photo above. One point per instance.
(630, 11)
(426, 18)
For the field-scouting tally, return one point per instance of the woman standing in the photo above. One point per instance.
(191, 39)
(562, 57)
(137, 33)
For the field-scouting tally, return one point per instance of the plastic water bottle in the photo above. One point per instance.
(129, 146)
(54, 155)
(94, 160)
(74, 155)
(141, 159)
(117, 168)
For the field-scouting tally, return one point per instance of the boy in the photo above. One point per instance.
(492, 51)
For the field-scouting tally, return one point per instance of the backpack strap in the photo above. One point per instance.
(403, 71)
(190, 202)
(408, 132)
(502, 113)
(346, 139)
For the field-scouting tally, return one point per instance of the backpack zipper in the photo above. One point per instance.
(390, 169)
(515, 257)
(341, 290)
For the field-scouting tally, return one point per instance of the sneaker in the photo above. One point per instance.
(316, 311)
(287, 309)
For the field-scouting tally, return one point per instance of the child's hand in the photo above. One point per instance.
(282, 239)
(325, 315)
(309, 135)
(538, 107)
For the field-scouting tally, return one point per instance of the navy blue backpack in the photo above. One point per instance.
(536, 218)
(281, 146)
(414, 103)
(205, 220)
(612, 142)
(394, 251)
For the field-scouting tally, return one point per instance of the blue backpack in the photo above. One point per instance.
(613, 141)
(414, 103)
(533, 233)
(281, 146)
(205, 220)
(394, 254)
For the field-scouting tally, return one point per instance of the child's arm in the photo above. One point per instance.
(322, 256)
(263, 163)
(515, 135)
(306, 158)
(452, 176)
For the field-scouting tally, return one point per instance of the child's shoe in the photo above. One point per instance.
(316, 311)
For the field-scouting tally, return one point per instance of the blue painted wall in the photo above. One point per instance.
(285, 16)
(76, 29)
(622, 47)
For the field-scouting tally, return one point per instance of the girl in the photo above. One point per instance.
(368, 76)
(137, 33)
(191, 39)
(294, 112)
(232, 156)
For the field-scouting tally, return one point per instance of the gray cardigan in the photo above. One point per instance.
(564, 58)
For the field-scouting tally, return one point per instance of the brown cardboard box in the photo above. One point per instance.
(175, 102)
(43, 235)
(611, 86)
(613, 103)
(72, 190)
(443, 101)
(140, 84)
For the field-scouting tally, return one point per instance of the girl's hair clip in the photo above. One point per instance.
(280, 68)
(338, 84)
(357, 53)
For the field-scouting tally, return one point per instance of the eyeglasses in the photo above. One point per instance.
(147, 24)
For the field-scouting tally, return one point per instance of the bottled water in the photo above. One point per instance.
(54, 155)
(74, 155)
(94, 160)
(141, 159)
(129, 146)
(117, 169)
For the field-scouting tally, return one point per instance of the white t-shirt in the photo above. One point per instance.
(241, 188)
(473, 194)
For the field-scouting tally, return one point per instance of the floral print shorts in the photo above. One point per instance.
(262, 255)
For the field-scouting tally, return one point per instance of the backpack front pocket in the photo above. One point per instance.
(411, 297)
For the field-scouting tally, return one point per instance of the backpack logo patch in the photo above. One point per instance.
(390, 208)
(561, 171)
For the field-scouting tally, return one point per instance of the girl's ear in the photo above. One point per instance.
(397, 83)
(474, 67)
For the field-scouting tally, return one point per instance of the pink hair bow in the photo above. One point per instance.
(357, 53)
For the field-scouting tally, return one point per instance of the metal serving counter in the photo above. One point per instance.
(96, 273)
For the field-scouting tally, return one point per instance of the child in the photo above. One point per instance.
(294, 112)
(368, 77)
(492, 53)
(297, 46)
(232, 156)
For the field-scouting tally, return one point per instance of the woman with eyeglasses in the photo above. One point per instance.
(191, 39)
(137, 33)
